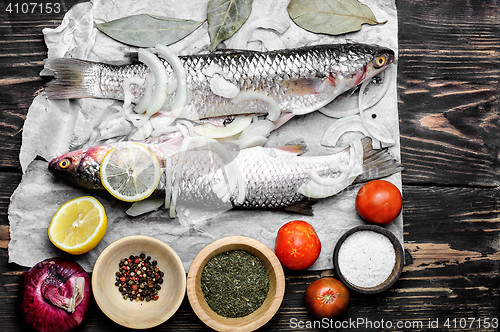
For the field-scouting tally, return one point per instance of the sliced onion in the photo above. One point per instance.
(114, 128)
(318, 188)
(369, 124)
(188, 125)
(148, 91)
(183, 129)
(251, 142)
(269, 39)
(142, 132)
(326, 181)
(162, 125)
(222, 87)
(127, 99)
(145, 206)
(213, 69)
(242, 37)
(179, 101)
(341, 126)
(239, 124)
(257, 128)
(383, 131)
(163, 131)
(273, 108)
(160, 88)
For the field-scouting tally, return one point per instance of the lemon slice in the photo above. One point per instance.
(131, 172)
(78, 225)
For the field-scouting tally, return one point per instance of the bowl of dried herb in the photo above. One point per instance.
(235, 284)
(139, 281)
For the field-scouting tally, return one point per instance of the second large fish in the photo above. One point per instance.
(298, 80)
(271, 177)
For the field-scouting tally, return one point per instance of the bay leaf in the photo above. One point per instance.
(225, 17)
(333, 17)
(145, 30)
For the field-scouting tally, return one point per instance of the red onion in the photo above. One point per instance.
(55, 295)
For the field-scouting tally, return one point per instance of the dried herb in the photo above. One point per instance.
(332, 17)
(225, 17)
(235, 283)
(145, 30)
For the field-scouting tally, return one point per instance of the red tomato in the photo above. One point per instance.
(379, 202)
(327, 298)
(297, 245)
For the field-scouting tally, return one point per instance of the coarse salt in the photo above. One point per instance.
(366, 258)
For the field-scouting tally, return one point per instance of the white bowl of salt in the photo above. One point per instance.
(368, 259)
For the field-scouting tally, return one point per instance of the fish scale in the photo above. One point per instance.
(299, 80)
(271, 176)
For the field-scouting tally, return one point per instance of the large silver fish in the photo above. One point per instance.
(272, 177)
(299, 80)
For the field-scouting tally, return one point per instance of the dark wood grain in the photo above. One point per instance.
(449, 88)
(449, 92)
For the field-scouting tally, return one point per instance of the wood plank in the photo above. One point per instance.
(448, 85)
(431, 68)
(449, 89)
(4, 236)
(452, 255)
(9, 182)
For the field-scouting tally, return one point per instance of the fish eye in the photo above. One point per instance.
(64, 163)
(380, 61)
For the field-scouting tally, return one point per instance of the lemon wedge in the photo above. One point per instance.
(78, 225)
(131, 172)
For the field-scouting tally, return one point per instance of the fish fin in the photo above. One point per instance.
(303, 86)
(71, 78)
(295, 148)
(304, 207)
(377, 163)
(284, 117)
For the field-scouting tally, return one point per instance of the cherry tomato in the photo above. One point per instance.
(327, 298)
(297, 245)
(379, 202)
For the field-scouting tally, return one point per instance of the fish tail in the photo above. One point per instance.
(377, 163)
(73, 78)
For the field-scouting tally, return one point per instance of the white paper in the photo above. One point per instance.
(39, 195)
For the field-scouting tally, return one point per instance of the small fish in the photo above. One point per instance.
(272, 177)
(298, 80)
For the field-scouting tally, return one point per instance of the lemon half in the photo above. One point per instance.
(131, 172)
(78, 225)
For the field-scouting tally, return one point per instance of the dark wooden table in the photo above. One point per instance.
(449, 88)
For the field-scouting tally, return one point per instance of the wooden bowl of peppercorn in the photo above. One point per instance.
(139, 282)
(235, 284)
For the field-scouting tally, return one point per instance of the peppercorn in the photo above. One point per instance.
(139, 278)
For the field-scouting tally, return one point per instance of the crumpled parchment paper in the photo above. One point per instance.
(55, 127)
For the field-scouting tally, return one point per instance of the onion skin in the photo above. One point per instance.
(37, 311)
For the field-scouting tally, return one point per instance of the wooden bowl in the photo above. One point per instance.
(138, 314)
(396, 271)
(259, 317)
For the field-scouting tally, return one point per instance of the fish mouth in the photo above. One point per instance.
(53, 164)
